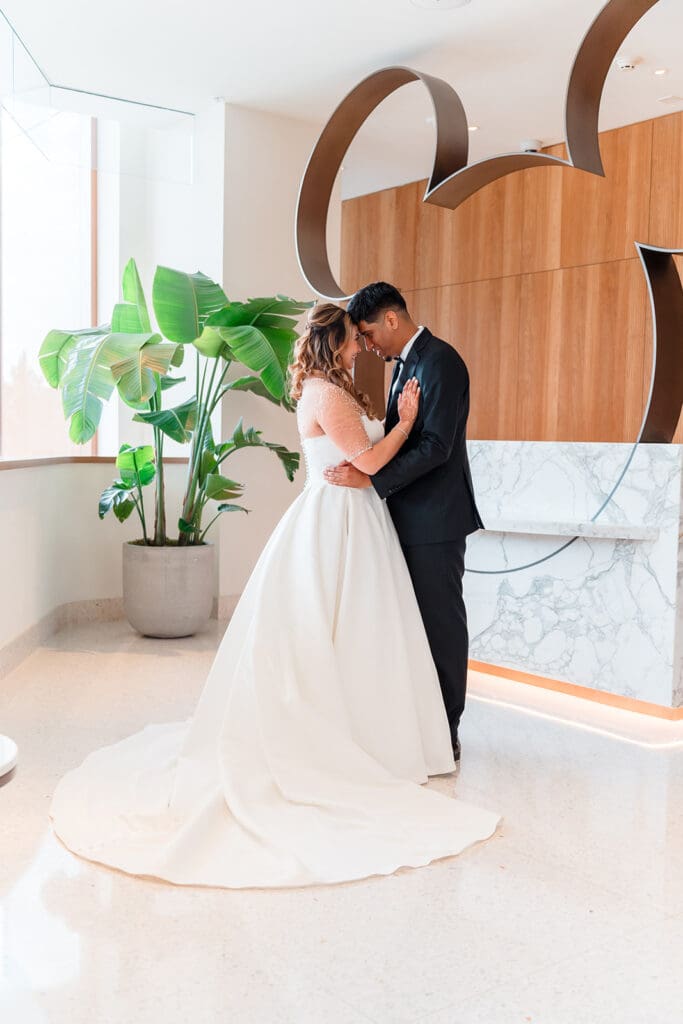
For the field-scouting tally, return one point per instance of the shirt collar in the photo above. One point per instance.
(409, 344)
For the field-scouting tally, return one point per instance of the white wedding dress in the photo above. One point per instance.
(320, 718)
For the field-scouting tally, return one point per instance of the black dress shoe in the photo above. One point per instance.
(456, 751)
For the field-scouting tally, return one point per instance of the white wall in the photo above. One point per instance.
(169, 218)
(236, 223)
(55, 548)
(265, 159)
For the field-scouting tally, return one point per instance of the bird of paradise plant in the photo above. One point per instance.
(194, 317)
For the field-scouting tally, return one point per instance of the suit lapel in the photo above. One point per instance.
(408, 370)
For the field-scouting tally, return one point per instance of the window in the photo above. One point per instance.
(46, 270)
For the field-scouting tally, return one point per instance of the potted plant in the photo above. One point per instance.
(168, 581)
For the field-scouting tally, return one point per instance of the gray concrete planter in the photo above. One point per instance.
(168, 591)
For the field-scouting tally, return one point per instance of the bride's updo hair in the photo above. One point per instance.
(317, 353)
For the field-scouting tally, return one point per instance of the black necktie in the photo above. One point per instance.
(398, 370)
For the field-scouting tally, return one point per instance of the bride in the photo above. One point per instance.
(321, 715)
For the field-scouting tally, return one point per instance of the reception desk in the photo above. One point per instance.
(554, 591)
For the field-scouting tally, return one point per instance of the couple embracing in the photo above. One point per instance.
(339, 684)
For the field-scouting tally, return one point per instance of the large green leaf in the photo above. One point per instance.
(208, 464)
(87, 380)
(119, 498)
(212, 344)
(183, 303)
(131, 315)
(220, 488)
(233, 508)
(177, 423)
(282, 342)
(253, 384)
(170, 382)
(290, 307)
(87, 383)
(136, 464)
(255, 350)
(56, 348)
(136, 374)
(261, 335)
(273, 320)
(260, 312)
(251, 438)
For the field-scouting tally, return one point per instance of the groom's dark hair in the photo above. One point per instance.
(372, 300)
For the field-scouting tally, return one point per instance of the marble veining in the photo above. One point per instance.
(604, 611)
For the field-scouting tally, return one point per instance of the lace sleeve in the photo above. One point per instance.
(340, 416)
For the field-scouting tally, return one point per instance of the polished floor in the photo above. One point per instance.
(572, 915)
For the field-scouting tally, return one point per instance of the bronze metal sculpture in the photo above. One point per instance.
(452, 179)
(665, 400)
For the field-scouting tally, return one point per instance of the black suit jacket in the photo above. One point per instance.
(428, 485)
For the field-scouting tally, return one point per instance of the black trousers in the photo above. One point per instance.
(437, 571)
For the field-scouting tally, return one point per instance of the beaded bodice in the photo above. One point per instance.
(333, 428)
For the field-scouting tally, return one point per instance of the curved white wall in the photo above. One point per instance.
(266, 156)
(55, 549)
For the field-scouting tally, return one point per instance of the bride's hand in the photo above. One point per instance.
(408, 403)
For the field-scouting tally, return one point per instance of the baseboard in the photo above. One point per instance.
(14, 652)
(72, 613)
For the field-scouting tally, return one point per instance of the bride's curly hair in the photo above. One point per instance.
(318, 353)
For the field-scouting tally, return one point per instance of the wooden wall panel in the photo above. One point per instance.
(581, 353)
(540, 356)
(378, 238)
(480, 240)
(434, 255)
(480, 319)
(602, 217)
(541, 228)
(666, 197)
(535, 281)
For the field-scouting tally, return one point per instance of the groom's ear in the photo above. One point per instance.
(391, 319)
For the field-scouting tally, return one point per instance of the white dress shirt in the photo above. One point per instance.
(405, 352)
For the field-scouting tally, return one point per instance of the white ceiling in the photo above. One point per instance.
(508, 61)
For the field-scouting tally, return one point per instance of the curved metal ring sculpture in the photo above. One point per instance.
(452, 179)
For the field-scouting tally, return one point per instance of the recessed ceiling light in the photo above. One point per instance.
(627, 63)
(439, 5)
(473, 127)
(661, 72)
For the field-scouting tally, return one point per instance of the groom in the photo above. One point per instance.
(428, 485)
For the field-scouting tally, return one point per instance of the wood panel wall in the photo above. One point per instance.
(536, 282)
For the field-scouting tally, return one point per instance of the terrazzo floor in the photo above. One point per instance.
(573, 914)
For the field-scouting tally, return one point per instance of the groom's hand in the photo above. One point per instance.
(346, 475)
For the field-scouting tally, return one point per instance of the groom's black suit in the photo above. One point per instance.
(428, 487)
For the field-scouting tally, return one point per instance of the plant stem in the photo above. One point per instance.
(205, 531)
(141, 509)
(160, 521)
(197, 451)
(159, 490)
(139, 512)
(216, 399)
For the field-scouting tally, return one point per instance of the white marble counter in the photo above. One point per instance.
(548, 528)
(604, 610)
